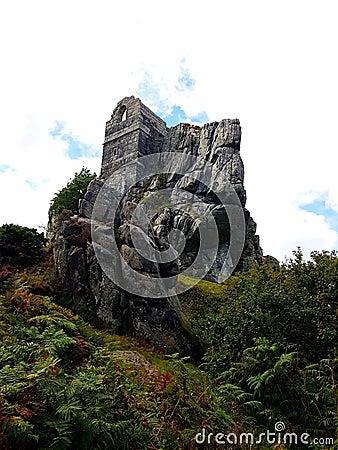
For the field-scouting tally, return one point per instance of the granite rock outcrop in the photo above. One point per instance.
(133, 132)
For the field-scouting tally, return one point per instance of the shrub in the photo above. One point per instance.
(68, 197)
(293, 305)
(20, 246)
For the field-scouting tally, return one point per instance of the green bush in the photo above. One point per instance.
(20, 246)
(68, 197)
(293, 305)
(271, 338)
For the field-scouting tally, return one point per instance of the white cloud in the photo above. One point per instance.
(270, 64)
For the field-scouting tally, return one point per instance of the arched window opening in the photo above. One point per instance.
(120, 114)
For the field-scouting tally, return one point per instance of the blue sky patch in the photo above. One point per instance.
(202, 117)
(178, 115)
(31, 184)
(58, 129)
(4, 167)
(185, 81)
(320, 207)
(76, 148)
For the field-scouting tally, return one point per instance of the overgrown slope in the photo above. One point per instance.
(270, 338)
(65, 384)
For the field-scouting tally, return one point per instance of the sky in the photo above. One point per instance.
(271, 64)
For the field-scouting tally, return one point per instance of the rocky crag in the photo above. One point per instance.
(134, 131)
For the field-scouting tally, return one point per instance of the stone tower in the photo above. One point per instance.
(133, 131)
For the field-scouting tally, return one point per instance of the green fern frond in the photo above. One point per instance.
(54, 319)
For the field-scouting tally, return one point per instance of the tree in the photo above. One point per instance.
(20, 246)
(68, 197)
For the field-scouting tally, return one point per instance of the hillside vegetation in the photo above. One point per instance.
(270, 339)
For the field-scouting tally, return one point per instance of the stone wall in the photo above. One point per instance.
(132, 130)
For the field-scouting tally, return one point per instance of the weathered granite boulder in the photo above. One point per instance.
(159, 320)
